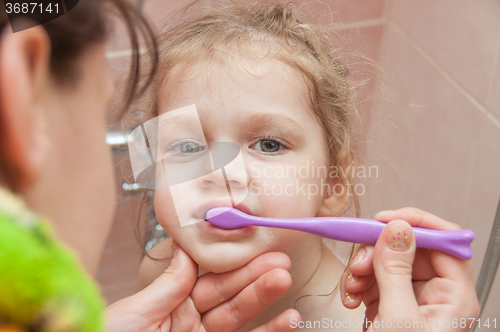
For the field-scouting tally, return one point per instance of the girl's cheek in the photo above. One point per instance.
(164, 209)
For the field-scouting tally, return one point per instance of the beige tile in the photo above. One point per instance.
(463, 36)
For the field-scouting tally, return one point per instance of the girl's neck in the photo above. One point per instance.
(315, 271)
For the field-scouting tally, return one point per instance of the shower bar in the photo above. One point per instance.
(490, 264)
(118, 142)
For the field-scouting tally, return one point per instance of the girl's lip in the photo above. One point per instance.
(207, 227)
(201, 212)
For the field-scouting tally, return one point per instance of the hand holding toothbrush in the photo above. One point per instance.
(399, 283)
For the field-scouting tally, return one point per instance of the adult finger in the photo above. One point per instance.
(284, 322)
(393, 259)
(350, 300)
(185, 318)
(444, 265)
(154, 303)
(361, 263)
(371, 294)
(213, 289)
(233, 314)
(357, 284)
(416, 217)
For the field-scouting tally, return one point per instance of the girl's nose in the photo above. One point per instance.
(229, 170)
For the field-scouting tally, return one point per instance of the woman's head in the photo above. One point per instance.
(263, 80)
(55, 87)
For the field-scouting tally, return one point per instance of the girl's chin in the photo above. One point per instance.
(223, 262)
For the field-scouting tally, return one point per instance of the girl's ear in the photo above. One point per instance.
(24, 81)
(336, 198)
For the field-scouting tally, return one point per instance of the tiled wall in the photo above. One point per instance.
(432, 124)
(436, 134)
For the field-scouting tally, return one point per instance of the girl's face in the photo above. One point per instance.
(263, 108)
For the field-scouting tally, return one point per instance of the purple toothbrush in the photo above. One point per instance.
(357, 230)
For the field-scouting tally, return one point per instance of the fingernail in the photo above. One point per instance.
(348, 298)
(384, 214)
(174, 248)
(399, 237)
(358, 257)
(350, 278)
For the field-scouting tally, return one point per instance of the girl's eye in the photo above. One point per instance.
(190, 147)
(268, 146)
(185, 148)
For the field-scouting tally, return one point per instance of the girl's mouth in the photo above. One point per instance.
(208, 228)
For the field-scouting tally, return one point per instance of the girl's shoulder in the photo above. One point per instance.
(155, 263)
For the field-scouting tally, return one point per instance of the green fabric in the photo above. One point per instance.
(42, 286)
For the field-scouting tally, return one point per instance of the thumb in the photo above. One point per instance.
(392, 262)
(170, 289)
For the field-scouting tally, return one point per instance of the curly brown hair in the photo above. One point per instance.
(201, 35)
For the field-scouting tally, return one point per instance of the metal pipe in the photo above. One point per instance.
(118, 142)
(490, 264)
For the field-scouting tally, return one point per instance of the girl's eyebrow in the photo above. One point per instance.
(274, 120)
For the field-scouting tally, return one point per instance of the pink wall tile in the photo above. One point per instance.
(484, 193)
(357, 10)
(484, 196)
(463, 36)
(493, 103)
(118, 38)
(360, 47)
(117, 292)
(338, 11)
(122, 254)
(119, 66)
(427, 134)
(157, 10)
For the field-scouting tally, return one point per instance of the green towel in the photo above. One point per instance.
(42, 286)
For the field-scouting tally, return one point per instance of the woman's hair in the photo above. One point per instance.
(87, 24)
(199, 36)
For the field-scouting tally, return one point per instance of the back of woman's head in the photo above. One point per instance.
(72, 34)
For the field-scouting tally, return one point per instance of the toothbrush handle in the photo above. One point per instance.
(367, 231)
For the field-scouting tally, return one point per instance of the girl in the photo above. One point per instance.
(260, 78)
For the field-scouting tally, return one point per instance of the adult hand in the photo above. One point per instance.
(400, 284)
(179, 300)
